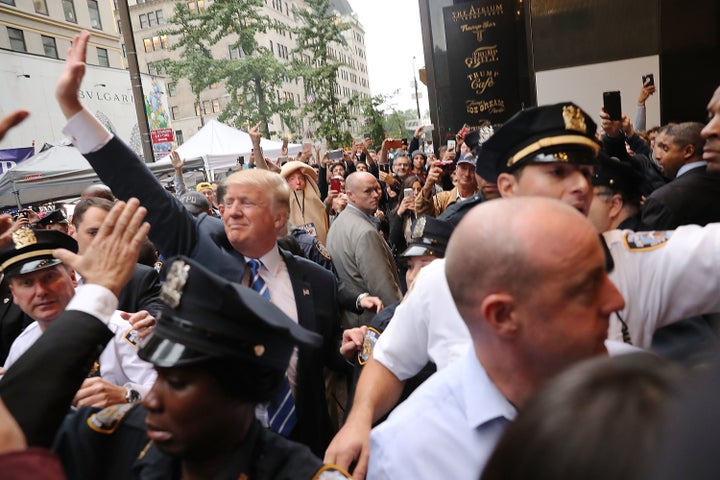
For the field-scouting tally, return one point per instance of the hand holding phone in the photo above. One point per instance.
(612, 105)
(407, 192)
(451, 144)
(335, 184)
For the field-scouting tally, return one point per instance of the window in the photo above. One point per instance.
(17, 39)
(151, 19)
(94, 14)
(8, 2)
(207, 107)
(164, 41)
(153, 68)
(197, 6)
(40, 6)
(156, 43)
(49, 46)
(216, 105)
(124, 51)
(179, 137)
(69, 9)
(197, 110)
(148, 45)
(171, 90)
(160, 17)
(143, 20)
(174, 111)
(103, 59)
(236, 53)
(214, 85)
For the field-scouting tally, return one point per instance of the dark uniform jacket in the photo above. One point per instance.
(174, 231)
(112, 444)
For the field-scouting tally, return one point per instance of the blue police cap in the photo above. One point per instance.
(31, 250)
(207, 317)
(430, 237)
(553, 133)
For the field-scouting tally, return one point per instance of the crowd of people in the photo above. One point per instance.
(541, 303)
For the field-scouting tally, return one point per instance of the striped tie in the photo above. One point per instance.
(281, 410)
(256, 281)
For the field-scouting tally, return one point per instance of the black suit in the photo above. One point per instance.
(174, 231)
(38, 390)
(141, 291)
(12, 321)
(691, 198)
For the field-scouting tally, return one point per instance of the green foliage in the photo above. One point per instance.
(313, 61)
(371, 108)
(251, 80)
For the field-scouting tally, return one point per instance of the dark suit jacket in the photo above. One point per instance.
(12, 321)
(174, 231)
(38, 390)
(141, 292)
(691, 198)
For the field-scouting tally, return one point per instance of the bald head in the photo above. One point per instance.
(507, 244)
(363, 191)
(98, 191)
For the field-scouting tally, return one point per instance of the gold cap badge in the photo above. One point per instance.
(24, 237)
(172, 288)
(574, 119)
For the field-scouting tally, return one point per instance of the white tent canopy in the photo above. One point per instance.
(220, 145)
(58, 173)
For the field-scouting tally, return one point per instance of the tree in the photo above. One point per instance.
(251, 80)
(374, 115)
(315, 61)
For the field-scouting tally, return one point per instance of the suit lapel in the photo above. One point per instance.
(302, 289)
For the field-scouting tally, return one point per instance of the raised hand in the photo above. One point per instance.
(68, 85)
(111, 257)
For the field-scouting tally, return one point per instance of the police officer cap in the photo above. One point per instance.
(554, 133)
(622, 175)
(56, 216)
(31, 250)
(430, 237)
(206, 317)
(195, 202)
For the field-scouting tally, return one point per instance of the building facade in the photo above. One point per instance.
(149, 18)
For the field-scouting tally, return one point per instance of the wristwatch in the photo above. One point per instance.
(360, 297)
(131, 395)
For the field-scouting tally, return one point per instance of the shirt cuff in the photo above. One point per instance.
(94, 300)
(86, 132)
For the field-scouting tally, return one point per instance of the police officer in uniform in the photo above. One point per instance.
(219, 349)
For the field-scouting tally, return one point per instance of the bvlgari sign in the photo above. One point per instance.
(482, 61)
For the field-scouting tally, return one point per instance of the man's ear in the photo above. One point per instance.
(689, 150)
(616, 205)
(499, 312)
(221, 208)
(507, 184)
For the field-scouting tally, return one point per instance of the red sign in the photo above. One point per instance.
(162, 135)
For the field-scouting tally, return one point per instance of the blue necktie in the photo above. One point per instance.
(281, 411)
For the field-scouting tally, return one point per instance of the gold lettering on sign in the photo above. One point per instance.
(482, 56)
(496, 105)
(473, 13)
(481, 81)
(478, 29)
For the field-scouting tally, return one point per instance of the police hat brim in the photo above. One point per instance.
(34, 265)
(423, 250)
(573, 154)
(164, 352)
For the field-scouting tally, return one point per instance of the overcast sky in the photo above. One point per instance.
(392, 38)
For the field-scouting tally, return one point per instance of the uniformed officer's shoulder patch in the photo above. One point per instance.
(371, 338)
(131, 337)
(107, 420)
(322, 250)
(330, 472)
(643, 241)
